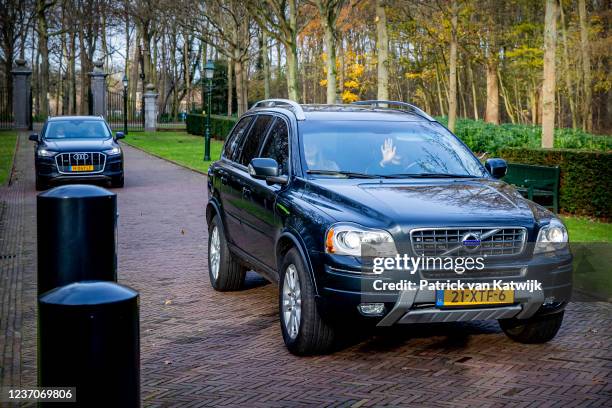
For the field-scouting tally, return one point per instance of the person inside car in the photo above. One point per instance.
(316, 159)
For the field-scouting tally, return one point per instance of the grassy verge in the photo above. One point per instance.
(7, 151)
(178, 147)
(582, 229)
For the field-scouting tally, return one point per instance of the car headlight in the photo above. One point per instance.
(347, 239)
(113, 151)
(46, 153)
(552, 237)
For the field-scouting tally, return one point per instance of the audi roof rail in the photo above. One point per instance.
(281, 103)
(411, 108)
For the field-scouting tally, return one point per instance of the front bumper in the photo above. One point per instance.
(342, 291)
(46, 170)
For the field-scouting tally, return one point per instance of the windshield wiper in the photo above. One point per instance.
(429, 175)
(347, 174)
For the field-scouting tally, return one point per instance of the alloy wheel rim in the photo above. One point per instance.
(292, 301)
(214, 252)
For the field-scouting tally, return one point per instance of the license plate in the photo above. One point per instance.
(88, 167)
(468, 297)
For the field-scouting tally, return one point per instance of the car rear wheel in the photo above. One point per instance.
(538, 329)
(304, 331)
(224, 270)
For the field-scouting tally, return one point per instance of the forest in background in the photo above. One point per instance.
(515, 61)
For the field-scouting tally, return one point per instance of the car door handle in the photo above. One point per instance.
(246, 192)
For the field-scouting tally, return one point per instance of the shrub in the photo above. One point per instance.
(220, 126)
(585, 185)
(486, 137)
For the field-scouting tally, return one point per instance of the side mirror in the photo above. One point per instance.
(266, 169)
(119, 135)
(496, 167)
(34, 137)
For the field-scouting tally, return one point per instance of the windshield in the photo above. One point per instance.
(77, 129)
(354, 148)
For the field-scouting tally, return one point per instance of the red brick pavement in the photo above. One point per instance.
(203, 348)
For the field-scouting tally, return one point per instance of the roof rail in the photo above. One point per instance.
(412, 108)
(281, 103)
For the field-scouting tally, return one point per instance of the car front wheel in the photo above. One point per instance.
(304, 331)
(538, 329)
(225, 272)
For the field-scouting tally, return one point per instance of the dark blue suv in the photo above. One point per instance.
(301, 191)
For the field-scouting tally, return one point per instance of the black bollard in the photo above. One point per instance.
(88, 338)
(76, 235)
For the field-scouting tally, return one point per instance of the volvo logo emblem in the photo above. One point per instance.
(470, 241)
(80, 156)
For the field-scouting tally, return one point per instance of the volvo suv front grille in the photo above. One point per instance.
(67, 163)
(502, 241)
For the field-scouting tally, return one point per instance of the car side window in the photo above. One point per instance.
(254, 139)
(233, 140)
(277, 146)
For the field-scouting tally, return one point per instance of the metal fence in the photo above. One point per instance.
(115, 112)
(6, 109)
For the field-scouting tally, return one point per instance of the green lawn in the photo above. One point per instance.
(7, 151)
(585, 230)
(180, 147)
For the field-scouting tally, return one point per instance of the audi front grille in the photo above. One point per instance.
(66, 161)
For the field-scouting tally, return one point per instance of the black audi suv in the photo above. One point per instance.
(313, 197)
(77, 148)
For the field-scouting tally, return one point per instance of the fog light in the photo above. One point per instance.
(371, 309)
(549, 301)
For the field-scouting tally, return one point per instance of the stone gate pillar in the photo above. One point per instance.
(22, 100)
(98, 89)
(150, 108)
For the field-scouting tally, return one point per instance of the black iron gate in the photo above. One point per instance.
(116, 109)
(6, 109)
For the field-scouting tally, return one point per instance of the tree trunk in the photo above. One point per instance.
(587, 107)
(382, 51)
(473, 84)
(292, 72)
(492, 111)
(452, 77)
(568, 78)
(266, 64)
(43, 48)
(328, 20)
(230, 86)
(548, 86)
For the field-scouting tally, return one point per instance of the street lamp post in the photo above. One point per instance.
(125, 104)
(209, 72)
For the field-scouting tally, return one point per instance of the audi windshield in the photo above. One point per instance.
(77, 129)
(385, 149)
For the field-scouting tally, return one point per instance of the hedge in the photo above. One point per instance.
(586, 177)
(485, 137)
(220, 126)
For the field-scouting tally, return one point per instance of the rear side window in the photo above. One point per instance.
(277, 146)
(255, 138)
(234, 138)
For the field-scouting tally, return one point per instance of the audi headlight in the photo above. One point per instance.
(552, 237)
(113, 151)
(347, 239)
(46, 153)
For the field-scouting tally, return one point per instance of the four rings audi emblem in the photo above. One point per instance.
(80, 156)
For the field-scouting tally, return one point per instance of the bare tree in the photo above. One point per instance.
(329, 11)
(548, 86)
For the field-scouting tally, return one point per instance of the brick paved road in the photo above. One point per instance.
(205, 348)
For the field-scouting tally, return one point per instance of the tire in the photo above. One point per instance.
(539, 329)
(117, 182)
(40, 184)
(310, 334)
(227, 273)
